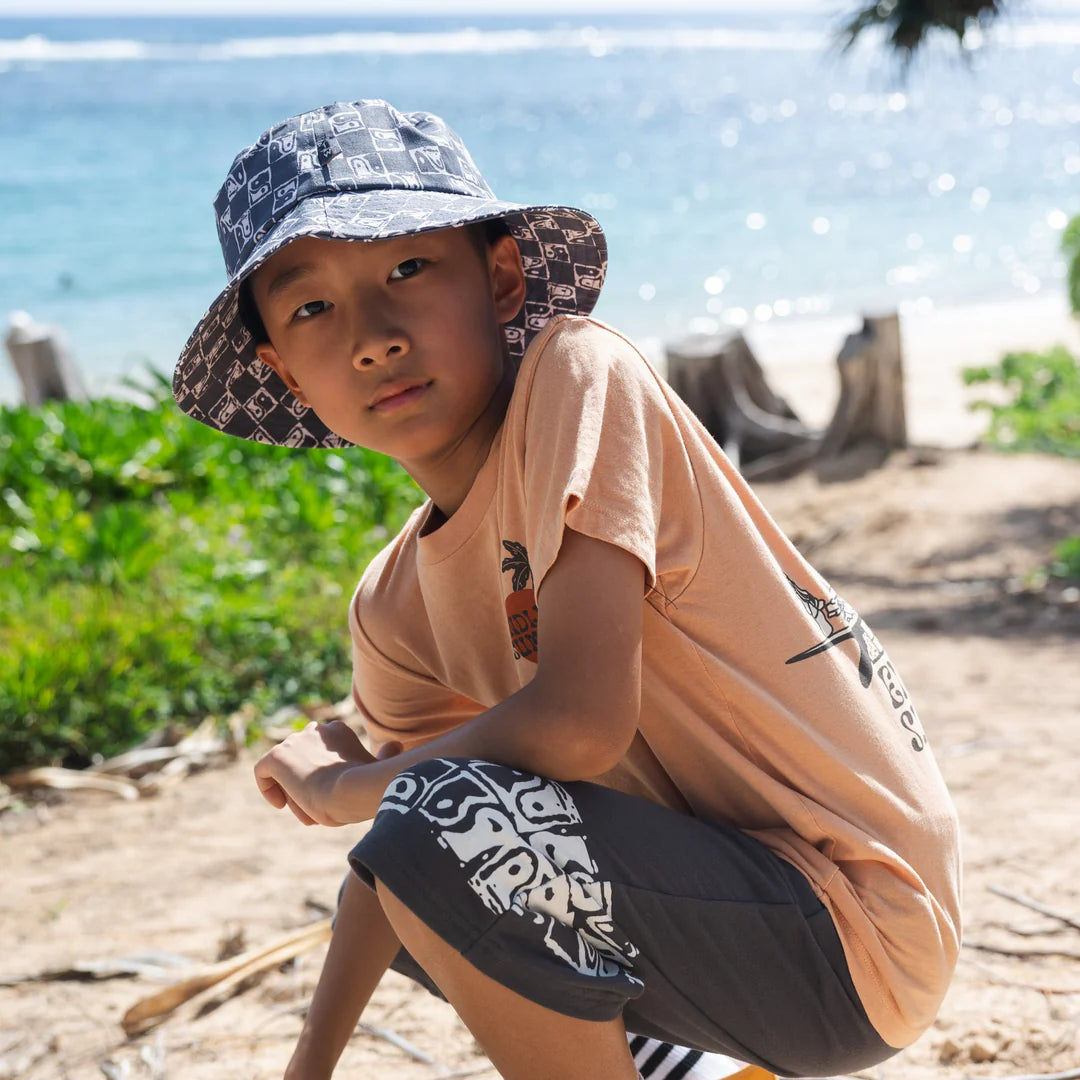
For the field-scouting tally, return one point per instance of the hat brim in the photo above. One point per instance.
(219, 380)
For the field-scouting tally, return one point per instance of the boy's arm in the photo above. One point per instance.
(361, 949)
(573, 721)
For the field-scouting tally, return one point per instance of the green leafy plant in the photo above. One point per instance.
(153, 570)
(1070, 247)
(1066, 562)
(1037, 406)
(1041, 406)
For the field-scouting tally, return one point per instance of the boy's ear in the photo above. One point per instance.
(269, 356)
(507, 277)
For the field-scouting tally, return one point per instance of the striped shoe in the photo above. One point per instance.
(661, 1061)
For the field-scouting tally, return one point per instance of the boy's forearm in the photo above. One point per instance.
(530, 731)
(574, 720)
(361, 949)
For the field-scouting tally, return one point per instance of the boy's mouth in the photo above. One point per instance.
(397, 392)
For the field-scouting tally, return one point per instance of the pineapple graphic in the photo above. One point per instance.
(521, 615)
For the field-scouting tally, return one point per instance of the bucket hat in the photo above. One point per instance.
(360, 171)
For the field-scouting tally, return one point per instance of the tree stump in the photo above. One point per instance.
(719, 377)
(41, 362)
(869, 421)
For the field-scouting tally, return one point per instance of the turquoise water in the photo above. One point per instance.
(741, 171)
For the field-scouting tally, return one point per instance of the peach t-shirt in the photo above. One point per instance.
(766, 702)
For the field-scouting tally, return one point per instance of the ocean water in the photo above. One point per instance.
(742, 170)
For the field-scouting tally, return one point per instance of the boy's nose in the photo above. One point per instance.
(379, 348)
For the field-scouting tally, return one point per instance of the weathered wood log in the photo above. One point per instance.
(150, 1011)
(41, 362)
(719, 377)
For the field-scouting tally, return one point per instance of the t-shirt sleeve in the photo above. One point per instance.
(397, 703)
(597, 428)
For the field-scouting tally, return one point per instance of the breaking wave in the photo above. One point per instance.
(593, 40)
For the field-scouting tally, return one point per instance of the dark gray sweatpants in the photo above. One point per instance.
(595, 904)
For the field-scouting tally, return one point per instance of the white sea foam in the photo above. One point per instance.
(595, 40)
(35, 48)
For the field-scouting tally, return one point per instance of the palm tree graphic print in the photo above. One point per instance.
(521, 614)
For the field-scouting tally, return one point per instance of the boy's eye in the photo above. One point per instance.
(312, 307)
(408, 268)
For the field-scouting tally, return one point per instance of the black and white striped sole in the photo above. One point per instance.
(661, 1061)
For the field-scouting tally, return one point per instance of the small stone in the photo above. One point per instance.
(949, 1051)
(981, 1050)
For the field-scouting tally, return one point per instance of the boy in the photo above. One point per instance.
(640, 769)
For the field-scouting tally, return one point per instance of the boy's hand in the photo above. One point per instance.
(301, 771)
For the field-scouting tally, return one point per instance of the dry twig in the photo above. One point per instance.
(1034, 905)
(1001, 980)
(394, 1039)
(1030, 931)
(1069, 954)
(1070, 1074)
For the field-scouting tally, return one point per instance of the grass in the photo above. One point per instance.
(154, 570)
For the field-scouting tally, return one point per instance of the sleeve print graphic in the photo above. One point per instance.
(521, 613)
(838, 622)
(521, 841)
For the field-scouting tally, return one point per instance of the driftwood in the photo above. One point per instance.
(69, 779)
(169, 755)
(722, 381)
(164, 759)
(224, 976)
(41, 362)
(152, 965)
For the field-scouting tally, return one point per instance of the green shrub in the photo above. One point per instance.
(1066, 562)
(152, 569)
(1042, 410)
(1070, 247)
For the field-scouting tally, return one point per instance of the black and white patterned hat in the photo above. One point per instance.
(360, 171)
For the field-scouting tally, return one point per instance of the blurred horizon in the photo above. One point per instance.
(490, 8)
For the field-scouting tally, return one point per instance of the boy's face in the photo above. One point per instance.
(396, 344)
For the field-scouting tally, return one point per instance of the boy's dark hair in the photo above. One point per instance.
(483, 234)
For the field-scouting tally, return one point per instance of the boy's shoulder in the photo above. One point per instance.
(575, 350)
(577, 333)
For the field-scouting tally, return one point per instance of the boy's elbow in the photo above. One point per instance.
(590, 716)
(594, 741)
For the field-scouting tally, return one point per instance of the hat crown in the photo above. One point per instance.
(347, 146)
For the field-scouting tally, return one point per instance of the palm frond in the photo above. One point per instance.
(910, 22)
